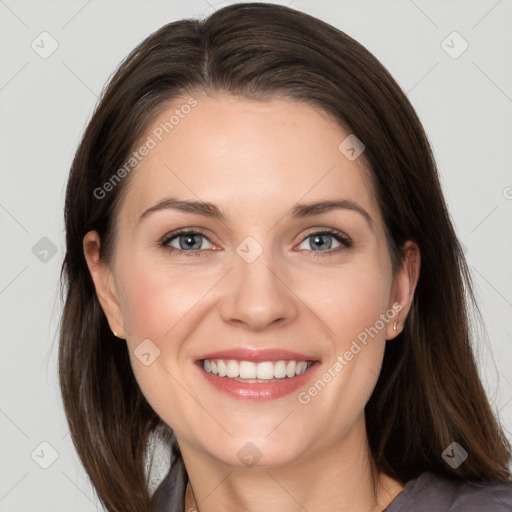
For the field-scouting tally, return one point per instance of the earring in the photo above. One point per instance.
(394, 326)
(115, 334)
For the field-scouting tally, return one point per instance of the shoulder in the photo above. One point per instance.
(169, 496)
(431, 492)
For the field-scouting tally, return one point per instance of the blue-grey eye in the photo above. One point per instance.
(324, 241)
(187, 241)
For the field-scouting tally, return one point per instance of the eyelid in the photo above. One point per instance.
(184, 231)
(323, 230)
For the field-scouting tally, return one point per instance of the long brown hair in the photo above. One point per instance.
(428, 394)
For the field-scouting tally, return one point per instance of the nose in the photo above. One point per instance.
(257, 295)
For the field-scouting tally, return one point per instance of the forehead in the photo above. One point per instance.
(254, 158)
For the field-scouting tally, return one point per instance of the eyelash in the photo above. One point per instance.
(345, 242)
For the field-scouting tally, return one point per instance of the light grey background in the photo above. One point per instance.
(464, 103)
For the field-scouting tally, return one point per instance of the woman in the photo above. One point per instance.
(261, 270)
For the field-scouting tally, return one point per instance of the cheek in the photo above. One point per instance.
(350, 299)
(157, 305)
(163, 305)
(351, 303)
(156, 299)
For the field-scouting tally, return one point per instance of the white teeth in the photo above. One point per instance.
(247, 370)
(221, 367)
(280, 369)
(265, 370)
(233, 370)
(301, 367)
(290, 369)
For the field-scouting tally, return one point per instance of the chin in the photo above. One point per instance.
(256, 452)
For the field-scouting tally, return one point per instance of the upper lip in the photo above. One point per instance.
(257, 355)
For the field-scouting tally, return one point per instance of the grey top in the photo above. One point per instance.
(428, 492)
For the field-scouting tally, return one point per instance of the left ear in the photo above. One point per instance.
(404, 284)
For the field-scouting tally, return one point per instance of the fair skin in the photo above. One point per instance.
(255, 161)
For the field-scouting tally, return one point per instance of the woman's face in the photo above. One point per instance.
(271, 287)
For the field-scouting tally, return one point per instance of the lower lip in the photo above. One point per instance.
(259, 392)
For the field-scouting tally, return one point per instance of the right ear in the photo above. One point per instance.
(104, 283)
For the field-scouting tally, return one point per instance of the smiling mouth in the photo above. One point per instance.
(255, 372)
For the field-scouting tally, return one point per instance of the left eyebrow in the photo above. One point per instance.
(310, 209)
(298, 211)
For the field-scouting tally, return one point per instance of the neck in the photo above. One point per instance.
(342, 474)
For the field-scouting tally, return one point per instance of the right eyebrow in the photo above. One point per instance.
(196, 207)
